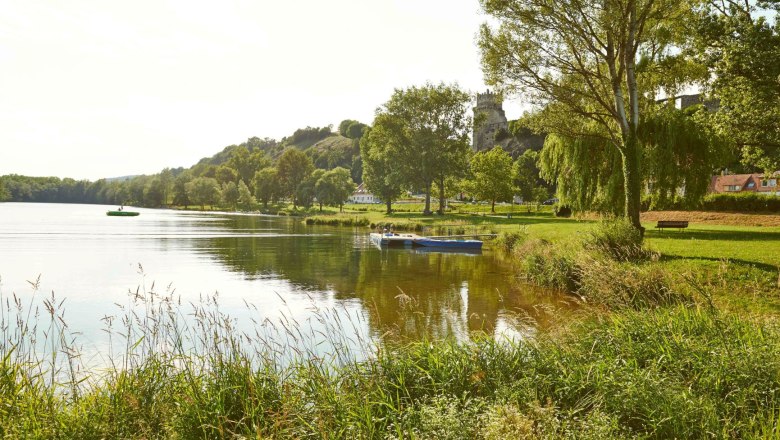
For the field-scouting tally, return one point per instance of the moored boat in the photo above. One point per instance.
(448, 244)
(123, 213)
(414, 240)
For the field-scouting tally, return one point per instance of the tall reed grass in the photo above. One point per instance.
(676, 372)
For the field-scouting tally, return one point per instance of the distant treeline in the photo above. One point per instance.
(236, 177)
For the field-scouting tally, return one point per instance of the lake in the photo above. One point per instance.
(257, 269)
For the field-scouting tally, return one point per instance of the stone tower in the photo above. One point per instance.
(493, 122)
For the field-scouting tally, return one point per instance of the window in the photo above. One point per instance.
(770, 183)
(751, 185)
(733, 187)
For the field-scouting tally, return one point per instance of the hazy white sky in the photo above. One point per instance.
(96, 88)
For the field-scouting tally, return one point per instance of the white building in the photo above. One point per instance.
(363, 195)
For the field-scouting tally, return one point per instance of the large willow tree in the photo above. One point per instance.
(678, 150)
(590, 64)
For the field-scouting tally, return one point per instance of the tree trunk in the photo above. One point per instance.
(632, 182)
(320, 206)
(442, 200)
(427, 210)
(389, 207)
(493, 207)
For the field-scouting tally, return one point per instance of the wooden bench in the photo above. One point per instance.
(679, 224)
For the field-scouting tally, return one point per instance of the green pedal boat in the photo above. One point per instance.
(123, 213)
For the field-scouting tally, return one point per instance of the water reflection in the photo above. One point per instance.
(406, 293)
(280, 266)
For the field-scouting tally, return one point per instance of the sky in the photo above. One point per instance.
(95, 88)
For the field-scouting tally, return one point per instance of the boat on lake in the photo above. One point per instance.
(414, 240)
(123, 213)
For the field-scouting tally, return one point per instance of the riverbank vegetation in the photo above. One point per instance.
(670, 343)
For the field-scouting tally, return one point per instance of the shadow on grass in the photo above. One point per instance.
(516, 219)
(771, 268)
(714, 235)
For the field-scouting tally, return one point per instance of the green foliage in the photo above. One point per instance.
(180, 196)
(738, 202)
(225, 174)
(740, 46)
(306, 191)
(203, 191)
(303, 138)
(230, 194)
(526, 178)
(491, 176)
(245, 198)
(334, 187)
(678, 152)
(246, 164)
(292, 168)
(382, 174)
(351, 129)
(618, 240)
(154, 193)
(579, 62)
(585, 171)
(426, 132)
(267, 185)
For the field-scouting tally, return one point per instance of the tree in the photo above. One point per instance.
(334, 188)
(292, 168)
(180, 196)
(741, 49)
(166, 180)
(4, 195)
(306, 191)
(225, 174)
(247, 164)
(427, 130)
(381, 173)
(154, 192)
(525, 175)
(578, 60)
(203, 191)
(267, 185)
(245, 198)
(230, 194)
(491, 176)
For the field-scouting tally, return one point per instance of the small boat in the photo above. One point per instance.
(448, 243)
(414, 240)
(122, 213)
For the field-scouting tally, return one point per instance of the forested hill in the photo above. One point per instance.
(325, 148)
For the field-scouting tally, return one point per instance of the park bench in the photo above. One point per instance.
(679, 224)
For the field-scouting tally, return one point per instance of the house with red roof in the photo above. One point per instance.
(734, 183)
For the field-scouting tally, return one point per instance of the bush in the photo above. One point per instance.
(742, 202)
(562, 211)
(617, 239)
(509, 240)
(736, 202)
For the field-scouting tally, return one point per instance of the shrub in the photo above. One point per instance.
(562, 211)
(509, 240)
(617, 239)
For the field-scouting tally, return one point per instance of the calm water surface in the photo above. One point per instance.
(281, 267)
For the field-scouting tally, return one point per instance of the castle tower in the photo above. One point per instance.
(489, 120)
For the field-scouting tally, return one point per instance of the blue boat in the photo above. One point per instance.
(448, 244)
